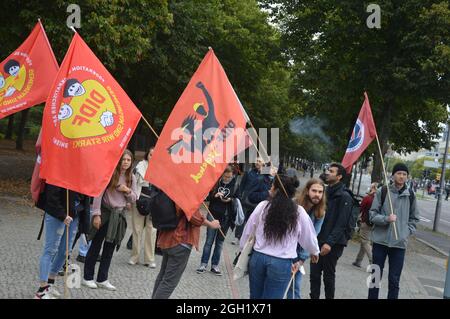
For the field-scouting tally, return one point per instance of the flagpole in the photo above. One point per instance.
(209, 212)
(151, 128)
(157, 136)
(387, 184)
(67, 246)
(267, 155)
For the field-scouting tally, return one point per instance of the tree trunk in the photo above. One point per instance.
(10, 128)
(21, 130)
(383, 135)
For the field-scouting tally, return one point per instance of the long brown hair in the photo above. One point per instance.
(128, 173)
(281, 218)
(302, 198)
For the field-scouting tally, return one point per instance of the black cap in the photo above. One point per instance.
(400, 167)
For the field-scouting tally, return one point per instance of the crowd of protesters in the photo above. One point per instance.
(290, 225)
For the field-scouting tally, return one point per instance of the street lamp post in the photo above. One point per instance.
(437, 215)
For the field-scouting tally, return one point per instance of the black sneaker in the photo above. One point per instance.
(63, 270)
(216, 271)
(356, 265)
(81, 259)
(130, 243)
(201, 269)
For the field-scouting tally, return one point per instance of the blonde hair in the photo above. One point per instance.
(302, 197)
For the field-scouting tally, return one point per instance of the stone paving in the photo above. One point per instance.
(423, 275)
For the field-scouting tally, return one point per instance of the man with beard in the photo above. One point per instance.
(333, 235)
(313, 200)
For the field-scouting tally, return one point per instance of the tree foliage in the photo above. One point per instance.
(153, 47)
(404, 66)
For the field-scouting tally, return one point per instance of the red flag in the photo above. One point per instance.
(363, 134)
(37, 184)
(27, 74)
(205, 130)
(87, 123)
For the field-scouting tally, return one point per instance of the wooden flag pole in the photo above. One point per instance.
(151, 128)
(267, 155)
(67, 247)
(387, 185)
(291, 282)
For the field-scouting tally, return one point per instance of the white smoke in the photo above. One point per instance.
(309, 127)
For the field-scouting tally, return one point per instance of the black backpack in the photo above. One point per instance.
(144, 201)
(162, 210)
(353, 218)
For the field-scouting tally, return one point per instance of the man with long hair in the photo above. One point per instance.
(312, 198)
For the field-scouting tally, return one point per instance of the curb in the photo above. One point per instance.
(229, 267)
(432, 246)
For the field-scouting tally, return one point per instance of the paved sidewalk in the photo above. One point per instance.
(423, 275)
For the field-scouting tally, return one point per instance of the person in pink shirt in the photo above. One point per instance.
(109, 222)
(279, 225)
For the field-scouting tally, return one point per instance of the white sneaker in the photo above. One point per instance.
(55, 293)
(132, 262)
(89, 283)
(106, 285)
(44, 295)
(152, 265)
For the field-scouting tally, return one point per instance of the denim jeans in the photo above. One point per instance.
(54, 255)
(213, 235)
(269, 276)
(84, 247)
(396, 260)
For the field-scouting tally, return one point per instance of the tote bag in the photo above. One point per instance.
(241, 267)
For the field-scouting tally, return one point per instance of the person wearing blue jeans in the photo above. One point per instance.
(312, 199)
(269, 276)
(396, 260)
(278, 225)
(221, 207)
(388, 242)
(54, 255)
(83, 248)
(56, 222)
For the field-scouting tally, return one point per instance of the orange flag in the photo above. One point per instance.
(87, 123)
(27, 74)
(205, 130)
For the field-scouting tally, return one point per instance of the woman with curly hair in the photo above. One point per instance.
(279, 224)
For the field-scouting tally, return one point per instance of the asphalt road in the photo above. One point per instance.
(427, 207)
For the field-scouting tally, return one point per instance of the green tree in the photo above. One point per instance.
(153, 47)
(404, 66)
